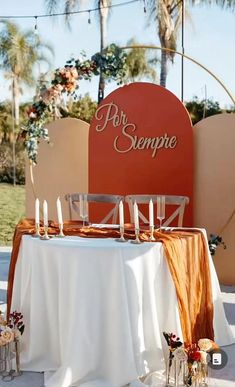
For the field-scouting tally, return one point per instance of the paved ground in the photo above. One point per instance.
(222, 378)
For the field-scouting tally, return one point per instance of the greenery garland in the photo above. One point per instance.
(111, 63)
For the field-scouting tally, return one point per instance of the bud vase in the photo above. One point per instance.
(192, 376)
(169, 371)
(204, 376)
(17, 371)
(174, 372)
(7, 366)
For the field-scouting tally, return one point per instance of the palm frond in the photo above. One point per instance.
(52, 5)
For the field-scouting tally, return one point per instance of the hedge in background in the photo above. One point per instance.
(6, 163)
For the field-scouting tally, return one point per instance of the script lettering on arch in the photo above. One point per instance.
(110, 113)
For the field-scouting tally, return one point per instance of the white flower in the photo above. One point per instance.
(16, 333)
(205, 357)
(180, 354)
(205, 344)
(7, 335)
(32, 115)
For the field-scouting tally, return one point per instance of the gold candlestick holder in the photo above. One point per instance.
(45, 236)
(151, 238)
(137, 239)
(121, 239)
(37, 232)
(61, 234)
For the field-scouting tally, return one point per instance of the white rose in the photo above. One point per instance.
(205, 344)
(2, 341)
(7, 335)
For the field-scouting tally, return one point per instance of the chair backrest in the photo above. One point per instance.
(74, 204)
(176, 211)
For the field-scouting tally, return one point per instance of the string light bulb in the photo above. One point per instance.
(89, 17)
(144, 6)
(36, 25)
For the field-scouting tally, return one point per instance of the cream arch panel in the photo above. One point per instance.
(62, 165)
(214, 186)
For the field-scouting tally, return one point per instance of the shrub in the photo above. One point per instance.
(6, 163)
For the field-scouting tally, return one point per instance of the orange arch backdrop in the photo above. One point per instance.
(141, 141)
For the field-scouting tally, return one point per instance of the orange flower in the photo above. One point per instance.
(74, 72)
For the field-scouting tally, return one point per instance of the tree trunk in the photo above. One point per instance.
(103, 15)
(15, 122)
(163, 73)
(15, 100)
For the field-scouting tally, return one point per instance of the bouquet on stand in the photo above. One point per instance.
(187, 365)
(10, 333)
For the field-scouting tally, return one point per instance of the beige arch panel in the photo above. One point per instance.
(62, 166)
(214, 186)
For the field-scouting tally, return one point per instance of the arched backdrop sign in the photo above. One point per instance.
(141, 141)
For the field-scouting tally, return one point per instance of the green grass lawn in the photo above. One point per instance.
(12, 209)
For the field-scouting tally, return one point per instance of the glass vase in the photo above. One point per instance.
(17, 371)
(192, 375)
(174, 372)
(204, 376)
(170, 371)
(7, 363)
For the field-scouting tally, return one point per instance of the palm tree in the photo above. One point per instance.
(168, 17)
(103, 11)
(19, 53)
(5, 122)
(139, 64)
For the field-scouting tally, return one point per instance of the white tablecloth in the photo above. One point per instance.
(95, 309)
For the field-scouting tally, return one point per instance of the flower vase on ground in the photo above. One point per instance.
(174, 372)
(204, 375)
(7, 361)
(192, 375)
(17, 371)
(169, 367)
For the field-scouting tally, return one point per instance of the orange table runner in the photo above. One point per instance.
(187, 256)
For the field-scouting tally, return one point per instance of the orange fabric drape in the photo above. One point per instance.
(187, 257)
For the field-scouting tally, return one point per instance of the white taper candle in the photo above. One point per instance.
(121, 214)
(158, 207)
(45, 213)
(151, 224)
(163, 207)
(136, 216)
(37, 216)
(59, 211)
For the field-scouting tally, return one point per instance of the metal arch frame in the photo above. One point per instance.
(189, 58)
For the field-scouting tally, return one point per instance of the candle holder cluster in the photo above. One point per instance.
(121, 239)
(44, 235)
(137, 240)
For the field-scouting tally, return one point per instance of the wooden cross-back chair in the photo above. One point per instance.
(175, 204)
(114, 200)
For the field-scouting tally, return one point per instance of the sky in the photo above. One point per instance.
(209, 39)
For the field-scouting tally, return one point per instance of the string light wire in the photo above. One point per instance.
(36, 17)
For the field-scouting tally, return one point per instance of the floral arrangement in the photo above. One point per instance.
(194, 358)
(111, 63)
(10, 333)
(12, 330)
